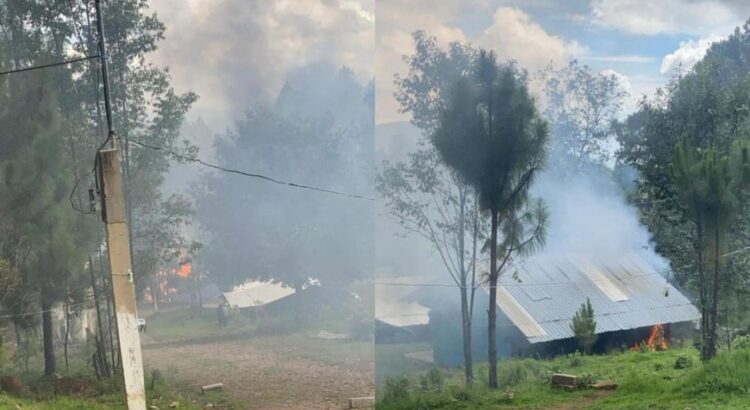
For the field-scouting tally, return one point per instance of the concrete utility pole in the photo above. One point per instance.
(118, 248)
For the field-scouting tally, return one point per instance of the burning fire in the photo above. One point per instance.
(654, 342)
(185, 270)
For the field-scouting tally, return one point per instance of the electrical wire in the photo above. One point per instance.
(659, 273)
(248, 174)
(39, 67)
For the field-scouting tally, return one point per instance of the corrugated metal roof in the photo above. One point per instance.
(626, 292)
(257, 294)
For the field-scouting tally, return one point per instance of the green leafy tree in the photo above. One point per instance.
(584, 327)
(491, 134)
(426, 197)
(708, 107)
(581, 107)
(710, 187)
(428, 200)
(145, 108)
(34, 204)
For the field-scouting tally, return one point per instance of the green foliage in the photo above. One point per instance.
(396, 389)
(702, 113)
(581, 106)
(741, 342)
(515, 372)
(721, 383)
(584, 327)
(433, 380)
(683, 362)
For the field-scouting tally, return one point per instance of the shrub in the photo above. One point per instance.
(396, 389)
(508, 395)
(576, 360)
(741, 342)
(683, 362)
(515, 372)
(727, 373)
(584, 327)
(11, 384)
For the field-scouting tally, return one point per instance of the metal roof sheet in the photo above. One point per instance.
(257, 294)
(626, 292)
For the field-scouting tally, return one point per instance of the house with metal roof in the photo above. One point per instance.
(256, 294)
(538, 298)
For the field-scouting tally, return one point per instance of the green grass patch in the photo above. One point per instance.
(672, 379)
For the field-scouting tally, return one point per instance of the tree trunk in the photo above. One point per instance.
(155, 292)
(715, 296)
(703, 285)
(463, 273)
(466, 323)
(50, 367)
(492, 311)
(67, 330)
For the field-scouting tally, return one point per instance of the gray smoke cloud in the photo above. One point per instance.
(588, 214)
(236, 53)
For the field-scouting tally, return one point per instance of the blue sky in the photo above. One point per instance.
(641, 41)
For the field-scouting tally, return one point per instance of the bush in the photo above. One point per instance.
(396, 389)
(516, 372)
(576, 360)
(433, 380)
(683, 362)
(727, 373)
(741, 342)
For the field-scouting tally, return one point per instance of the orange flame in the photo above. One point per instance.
(185, 270)
(655, 340)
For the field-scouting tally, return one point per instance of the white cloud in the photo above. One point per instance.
(513, 34)
(689, 53)
(700, 17)
(626, 58)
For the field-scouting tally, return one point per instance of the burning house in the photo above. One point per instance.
(634, 305)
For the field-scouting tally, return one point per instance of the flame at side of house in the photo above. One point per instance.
(655, 341)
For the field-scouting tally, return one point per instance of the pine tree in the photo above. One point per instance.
(584, 327)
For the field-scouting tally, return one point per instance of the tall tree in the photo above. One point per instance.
(710, 187)
(581, 107)
(707, 106)
(491, 134)
(34, 204)
(427, 197)
(428, 200)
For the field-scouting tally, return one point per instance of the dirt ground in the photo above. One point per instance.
(257, 376)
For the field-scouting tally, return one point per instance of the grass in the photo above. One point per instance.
(646, 381)
(390, 361)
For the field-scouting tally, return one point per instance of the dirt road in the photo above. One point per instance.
(259, 376)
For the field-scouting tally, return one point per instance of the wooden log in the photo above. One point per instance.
(362, 403)
(209, 387)
(564, 380)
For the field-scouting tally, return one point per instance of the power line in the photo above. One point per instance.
(248, 174)
(655, 273)
(39, 67)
